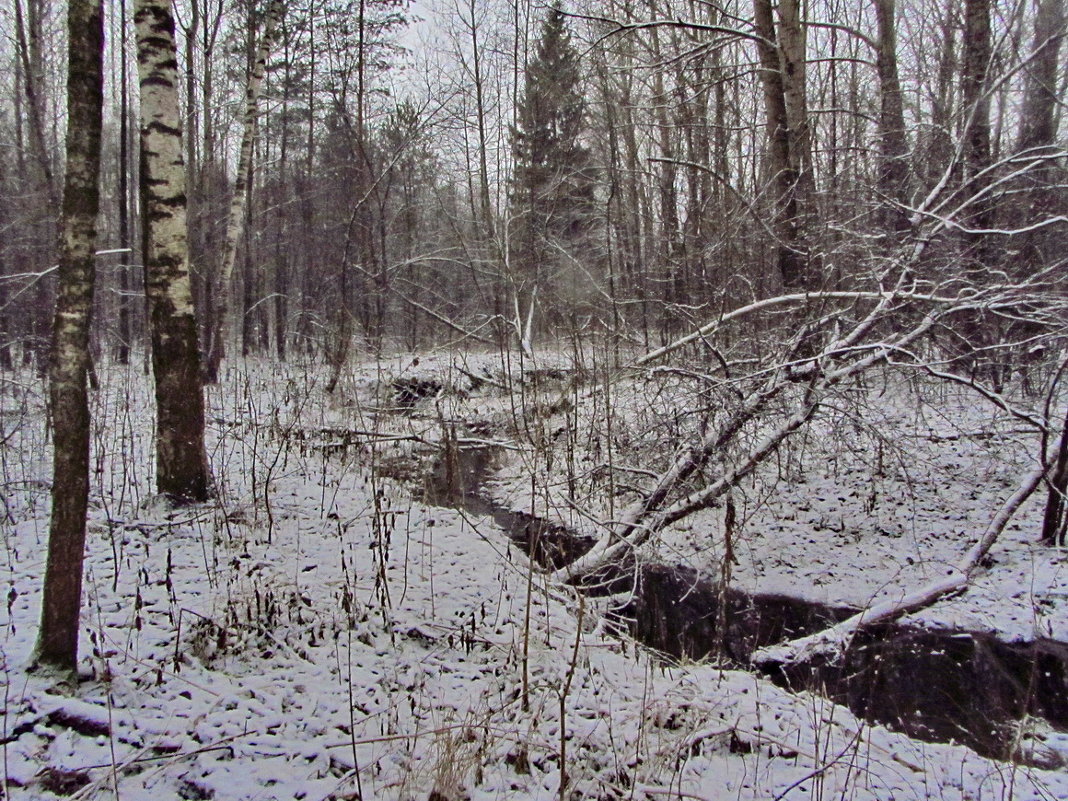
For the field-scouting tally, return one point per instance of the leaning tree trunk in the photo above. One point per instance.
(181, 460)
(58, 640)
(234, 227)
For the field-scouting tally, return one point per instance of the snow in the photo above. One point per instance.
(320, 631)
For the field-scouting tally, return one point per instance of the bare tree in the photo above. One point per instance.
(6, 362)
(783, 107)
(236, 218)
(58, 641)
(123, 168)
(1037, 121)
(893, 146)
(39, 173)
(1037, 137)
(975, 97)
(181, 460)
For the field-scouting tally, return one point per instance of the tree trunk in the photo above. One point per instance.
(1037, 139)
(893, 148)
(939, 154)
(58, 641)
(236, 222)
(181, 460)
(360, 222)
(978, 328)
(209, 199)
(7, 363)
(1055, 522)
(831, 642)
(793, 68)
(976, 101)
(30, 54)
(1037, 122)
(781, 170)
(122, 353)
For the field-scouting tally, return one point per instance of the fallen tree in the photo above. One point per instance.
(801, 385)
(831, 642)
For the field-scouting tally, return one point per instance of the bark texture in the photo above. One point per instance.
(1038, 125)
(1054, 521)
(782, 79)
(977, 51)
(1037, 142)
(893, 147)
(58, 641)
(181, 460)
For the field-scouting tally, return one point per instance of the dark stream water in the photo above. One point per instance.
(933, 685)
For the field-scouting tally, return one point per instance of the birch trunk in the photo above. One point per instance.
(181, 460)
(216, 349)
(58, 640)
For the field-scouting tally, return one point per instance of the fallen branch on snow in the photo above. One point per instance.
(833, 641)
(652, 512)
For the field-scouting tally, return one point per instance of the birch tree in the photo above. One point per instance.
(181, 461)
(235, 225)
(58, 641)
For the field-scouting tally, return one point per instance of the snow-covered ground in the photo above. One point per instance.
(320, 632)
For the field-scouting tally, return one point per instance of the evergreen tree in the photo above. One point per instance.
(552, 192)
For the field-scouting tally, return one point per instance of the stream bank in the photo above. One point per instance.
(1004, 700)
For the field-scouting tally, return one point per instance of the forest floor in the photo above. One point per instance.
(323, 631)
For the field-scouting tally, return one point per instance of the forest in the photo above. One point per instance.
(470, 399)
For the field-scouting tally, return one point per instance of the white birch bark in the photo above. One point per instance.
(181, 460)
(236, 218)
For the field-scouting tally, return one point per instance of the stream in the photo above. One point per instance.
(933, 685)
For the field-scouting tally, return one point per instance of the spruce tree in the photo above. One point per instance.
(552, 190)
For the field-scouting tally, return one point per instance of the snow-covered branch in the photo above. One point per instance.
(833, 641)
